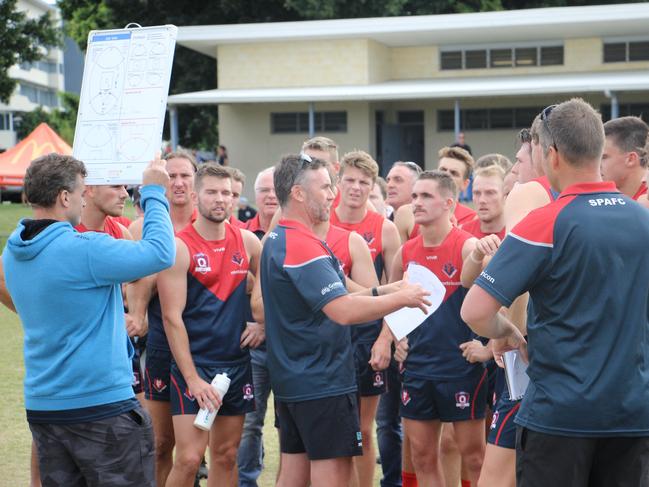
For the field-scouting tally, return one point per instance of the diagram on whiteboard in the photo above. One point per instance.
(123, 102)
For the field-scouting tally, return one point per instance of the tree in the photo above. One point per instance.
(22, 40)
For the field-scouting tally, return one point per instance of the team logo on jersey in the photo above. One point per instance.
(449, 269)
(462, 399)
(378, 379)
(369, 237)
(188, 394)
(248, 395)
(272, 235)
(494, 420)
(159, 385)
(237, 258)
(405, 397)
(202, 263)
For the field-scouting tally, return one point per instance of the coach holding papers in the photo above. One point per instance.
(88, 427)
(584, 420)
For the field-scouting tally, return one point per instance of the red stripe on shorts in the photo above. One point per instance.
(502, 426)
(475, 393)
(180, 395)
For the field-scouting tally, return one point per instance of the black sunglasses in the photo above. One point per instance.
(305, 159)
(545, 116)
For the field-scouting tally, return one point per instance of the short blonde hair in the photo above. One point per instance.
(458, 154)
(490, 171)
(494, 159)
(324, 144)
(360, 160)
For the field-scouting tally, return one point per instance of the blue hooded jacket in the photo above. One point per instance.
(66, 289)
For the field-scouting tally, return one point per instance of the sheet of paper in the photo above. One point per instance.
(123, 102)
(405, 320)
(515, 374)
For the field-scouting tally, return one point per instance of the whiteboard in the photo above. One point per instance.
(123, 102)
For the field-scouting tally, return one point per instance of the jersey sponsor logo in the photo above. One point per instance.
(159, 385)
(462, 399)
(431, 257)
(202, 263)
(378, 379)
(449, 269)
(330, 287)
(219, 249)
(237, 258)
(607, 202)
(486, 276)
(188, 394)
(272, 235)
(405, 397)
(369, 237)
(494, 420)
(248, 394)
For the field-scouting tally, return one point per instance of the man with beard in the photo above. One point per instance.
(309, 348)
(203, 300)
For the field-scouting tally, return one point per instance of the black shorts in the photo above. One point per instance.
(321, 428)
(502, 431)
(445, 400)
(369, 381)
(156, 375)
(543, 460)
(239, 400)
(492, 384)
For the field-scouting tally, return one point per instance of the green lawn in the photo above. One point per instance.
(15, 439)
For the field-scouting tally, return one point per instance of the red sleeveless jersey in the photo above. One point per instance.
(338, 241)
(371, 229)
(111, 227)
(473, 227)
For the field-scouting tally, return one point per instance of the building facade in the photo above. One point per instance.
(38, 83)
(402, 87)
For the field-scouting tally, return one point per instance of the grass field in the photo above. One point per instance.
(15, 438)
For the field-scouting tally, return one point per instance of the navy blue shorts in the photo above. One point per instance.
(502, 431)
(156, 375)
(492, 384)
(444, 400)
(239, 400)
(369, 381)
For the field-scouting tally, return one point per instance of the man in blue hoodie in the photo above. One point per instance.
(86, 423)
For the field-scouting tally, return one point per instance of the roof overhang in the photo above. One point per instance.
(452, 88)
(541, 24)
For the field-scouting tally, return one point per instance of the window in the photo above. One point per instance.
(615, 52)
(41, 96)
(551, 55)
(621, 52)
(410, 117)
(501, 58)
(488, 118)
(498, 57)
(5, 121)
(476, 59)
(452, 60)
(625, 109)
(525, 56)
(298, 122)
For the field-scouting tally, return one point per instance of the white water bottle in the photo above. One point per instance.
(205, 418)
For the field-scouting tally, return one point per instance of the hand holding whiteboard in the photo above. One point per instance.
(405, 320)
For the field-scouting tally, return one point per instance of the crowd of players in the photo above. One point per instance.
(269, 302)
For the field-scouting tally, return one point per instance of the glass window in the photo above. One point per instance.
(501, 58)
(30, 92)
(451, 60)
(525, 56)
(475, 119)
(615, 52)
(501, 118)
(283, 123)
(523, 117)
(410, 116)
(335, 121)
(445, 120)
(639, 51)
(475, 59)
(4, 121)
(551, 56)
